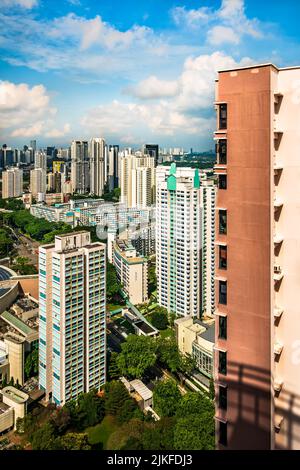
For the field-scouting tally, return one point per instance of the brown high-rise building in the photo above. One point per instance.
(257, 350)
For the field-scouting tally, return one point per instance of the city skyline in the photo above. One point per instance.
(79, 71)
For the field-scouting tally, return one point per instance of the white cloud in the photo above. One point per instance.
(96, 32)
(34, 130)
(222, 34)
(194, 87)
(27, 4)
(20, 103)
(192, 17)
(55, 133)
(139, 121)
(152, 88)
(26, 111)
(228, 24)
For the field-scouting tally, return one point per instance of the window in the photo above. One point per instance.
(222, 182)
(223, 257)
(221, 151)
(223, 116)
(222, 433)
(223, 397)
(223, 292)
(222, 362)
(222, 327)
(222, 221)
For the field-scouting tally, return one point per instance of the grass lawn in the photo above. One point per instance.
(112, 307)
(101, 432)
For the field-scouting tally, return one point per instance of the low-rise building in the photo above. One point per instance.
(16, 400)
(196, 338)
(132, 271)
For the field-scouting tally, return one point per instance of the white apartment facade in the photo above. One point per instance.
(137, 179)
(178, 240)
(12, 183)
(38, 181)
(72, 328)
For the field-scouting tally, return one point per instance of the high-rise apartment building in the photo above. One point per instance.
(132, 271)
(152, 150)
(40, 160)
(178, 239)
(98, 166)
(12, 183)
(258, 258)
(137, 180)
(80, 166)
(72, 322)
(38, 181)
(208, 194)
(113, 167)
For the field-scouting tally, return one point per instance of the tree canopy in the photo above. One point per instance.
(166, 398)
(137, 355)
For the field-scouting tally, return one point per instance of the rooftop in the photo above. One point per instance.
(144, 327)
(141, 389)
(14, 394)
(256, 66)
(17, 323)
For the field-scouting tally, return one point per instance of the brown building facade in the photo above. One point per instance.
(256, 276)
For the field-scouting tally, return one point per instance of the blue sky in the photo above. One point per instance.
(130, 71)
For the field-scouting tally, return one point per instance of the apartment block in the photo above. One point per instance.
(12, 183)
(80, 171)
(178, 239)
(72, 293)
(98, 165)
(38, 181)
(137, 180)
(132, 271)
(258, 258)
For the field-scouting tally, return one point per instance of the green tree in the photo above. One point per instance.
(166, 398)
(113, 369)
(159, 435)
(195, 432)
(159, 318)
(211, 389)
(31, 367)
(168, 354)
(115, 397)
(44, 438)
(74, 441)
(112, 283)
(6, 243)
(137, 355)
(194, 403)
(60, 420)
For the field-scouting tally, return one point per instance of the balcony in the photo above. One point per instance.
(277, 203)
(278, 385)
(278, 311)
(277, 239)
(278, 347)
(278, 422)
(278, 274)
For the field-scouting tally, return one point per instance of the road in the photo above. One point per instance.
(25, 246)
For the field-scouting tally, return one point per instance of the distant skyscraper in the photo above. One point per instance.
(178, 239)
(152, 150)
(137, 180)
(12, 183)
(33, 145)
(113, 167)
(40, 160)
(72, 328)
(7, 157)
(38, 181)
(80, 166)
(98, 166)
